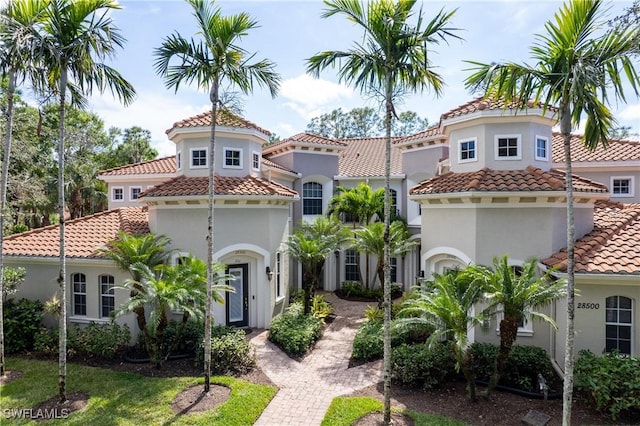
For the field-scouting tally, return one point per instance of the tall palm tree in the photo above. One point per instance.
(391, 61)
(209, 61)
(580, 65)
(447, 304)
(517, 294)
(18, 45)
(77, 38)
(310, 245)
(127, 250)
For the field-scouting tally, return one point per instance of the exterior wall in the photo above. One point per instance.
(606, 177)
(126, 186)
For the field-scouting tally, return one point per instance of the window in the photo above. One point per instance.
(135, 192)
(351, 270)
(394, 269)
(393, 197)
(232, 158)
(79, 287)
(198, 158)
(107, 295)
(179, 160)
(467, 151)
(618, 320)
(542, 148)
(278, 275)
(312, 198)
(255, 160)
(117, 194)
(622, 186)
(508, 147)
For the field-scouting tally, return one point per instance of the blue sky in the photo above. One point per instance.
(292, 31)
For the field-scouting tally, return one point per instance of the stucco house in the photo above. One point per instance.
(485, 181)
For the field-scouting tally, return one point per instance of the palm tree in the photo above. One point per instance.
(447, 304)
(369, 239)
(516, 293)
(211, 61)
(310, 245)
(579, 67)
(391, 61)
(76, 37)
(127, 250)
(17, 47)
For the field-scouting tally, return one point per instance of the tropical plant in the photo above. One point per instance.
(391, 61)
(17, 50)
(310, 245)
(447, 304)
(370, 240)
(11, 279)
(579, 67)
(516, 293)
(213, 59)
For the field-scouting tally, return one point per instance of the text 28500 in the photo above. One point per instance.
(588, 306)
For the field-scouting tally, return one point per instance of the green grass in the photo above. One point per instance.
(119, 398)
(344, 411)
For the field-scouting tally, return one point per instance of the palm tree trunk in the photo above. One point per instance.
(62, 349)
(387, 254)
(210, 278)
(465, 362)
(567, 395)
(3, 204)
(508, 335)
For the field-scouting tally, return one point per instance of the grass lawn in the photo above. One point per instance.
(118, 398)
(346, 410)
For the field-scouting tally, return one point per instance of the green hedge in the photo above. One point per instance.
(294, 332)
(421, 364)
(368, 341)
(22, 322)
(231, 353)
(93, 340)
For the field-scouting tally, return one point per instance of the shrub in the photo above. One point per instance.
(521, 368)
(422, 365)
(231, 353)
(374, 313)
(368, 341)
(95, 340)
(356, 289)
(294, 332)
(351, 288)
(610, 383)
(189, 341)
(22, 321)
(320, 308)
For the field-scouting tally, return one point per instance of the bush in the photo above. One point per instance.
(231, 353)
(374, 313)
(356, 289)
(294, 332)
(521, 368)
(368, 341)
(610, 383)
(22, 321)
(93, 341)
(422, 365)
(189, 341)
(320, 308)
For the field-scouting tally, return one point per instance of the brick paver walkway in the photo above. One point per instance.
(307, 387)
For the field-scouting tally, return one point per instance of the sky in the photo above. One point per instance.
(289, 33)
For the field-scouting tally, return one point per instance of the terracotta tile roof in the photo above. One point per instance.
(302, 138)
(482, 104)
(530, 179)
(224, 117)
(618, 150)
(613, 247)
(166, 165)
(364, 157)
(198, 186)
(270, 163)
(83, 236)
(431, 132)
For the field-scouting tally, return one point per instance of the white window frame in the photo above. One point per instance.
(75, 293)
(475, 150)
(518, 139)
(113, 194)
(351, 254)
(618, 323)
(206, 158)
(110, 293)
(255, 160)
(322, 208)
(278, 266)
(525, 330)
(631, 186)
(179, 160)
(139, 188)
(224, 158)
(546, 148)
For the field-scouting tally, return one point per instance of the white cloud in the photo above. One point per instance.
(310, 97)
(631, 112)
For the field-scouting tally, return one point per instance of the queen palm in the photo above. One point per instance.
(579, 67)
(18, 46)
(213, 59)
(76, 37)
(517, 294)
(390, 62)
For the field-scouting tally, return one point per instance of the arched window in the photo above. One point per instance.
(312, 198)
(107, 295)
(618, 320)
(79, 287)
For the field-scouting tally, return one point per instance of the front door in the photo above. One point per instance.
(237, 304)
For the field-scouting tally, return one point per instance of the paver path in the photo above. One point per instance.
(307, 387)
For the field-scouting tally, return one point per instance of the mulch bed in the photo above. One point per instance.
(194, 400)
(377, 419)
(53, 409)
(10, 376)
